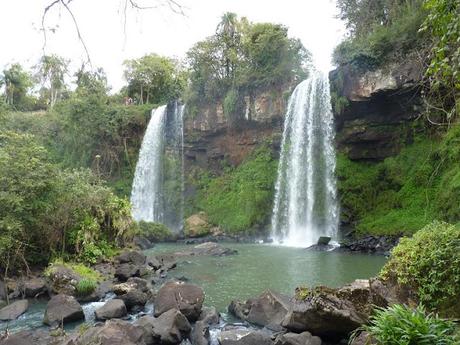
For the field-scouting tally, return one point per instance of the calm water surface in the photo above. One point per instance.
(253, 270)
(260, 267)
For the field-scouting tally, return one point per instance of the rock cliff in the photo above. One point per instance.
(373, 110)
(212, 140)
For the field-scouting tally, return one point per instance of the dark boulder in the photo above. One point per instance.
(112, 309)
(244, 337)
(14, 310)
(334, 313)
(187, 298)
(304, 338)
(34, 287)
(133, 283)
(200, 333)
(134, 298)
(170, 327)
(370, 244)
(208, 249)
(142, 242)
(62, 308)
(131, 257)
(62, 280)
(209, 315)
(269, 309)
(323, 241)
(35, 337)
(112, 332)
(125, 271)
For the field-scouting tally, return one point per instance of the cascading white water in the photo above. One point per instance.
(146, 193)
(305, 205)
(157, 191)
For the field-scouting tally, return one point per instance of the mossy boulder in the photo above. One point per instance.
(197, 225)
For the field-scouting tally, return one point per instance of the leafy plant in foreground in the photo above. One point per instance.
(402, 325)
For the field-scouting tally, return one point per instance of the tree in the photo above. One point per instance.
(51, 71)
(228, 33)
(154, 79)
(16, 83)
(91, 82)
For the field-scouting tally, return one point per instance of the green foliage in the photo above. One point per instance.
(51, 70)
(242, 56)
(230, 103)
(429, 264)
(85, 287)
(379, 41)
(17, 82)
(155, 232)
(26, 187)
(443, 24)
(401, 325)
(392, 197)
(154, 79)
(46, 210)
(242, 197)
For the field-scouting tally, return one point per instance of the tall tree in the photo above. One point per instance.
(51, 71)
(16, 84)
(228, 33)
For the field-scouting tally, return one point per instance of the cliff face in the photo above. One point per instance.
(212, 140)
(373, 109)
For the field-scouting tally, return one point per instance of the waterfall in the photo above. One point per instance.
(157, 191)
(305, 205)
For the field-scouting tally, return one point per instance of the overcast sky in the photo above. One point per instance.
(159, 31)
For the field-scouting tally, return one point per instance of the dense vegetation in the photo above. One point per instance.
(241, 198)
(388, 31)
(241, 58)
(48, 211)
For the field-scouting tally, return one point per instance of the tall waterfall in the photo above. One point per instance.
(305, 205)
(157, 191)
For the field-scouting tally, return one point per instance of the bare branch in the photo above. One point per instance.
(66, 5)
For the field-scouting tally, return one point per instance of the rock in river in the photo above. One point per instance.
(112, 332)
(170, 328)
(269, 309)
(304, 338)
(62, 308)
(112, 309)
(14, 310)
(187, 298)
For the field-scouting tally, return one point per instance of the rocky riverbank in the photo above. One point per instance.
(138, 303)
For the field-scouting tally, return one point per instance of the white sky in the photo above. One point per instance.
(159, 31)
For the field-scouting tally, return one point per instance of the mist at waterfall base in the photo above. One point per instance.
(305, 205)
(157, 192)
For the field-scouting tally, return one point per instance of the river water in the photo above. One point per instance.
(253, 270)
(257, 268)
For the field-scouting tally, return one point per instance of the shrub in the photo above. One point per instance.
(155, 232)
(85, 287)
(401, 325)
(429, 264)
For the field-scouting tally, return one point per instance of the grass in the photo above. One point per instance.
(85, 272)
(85, 287)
